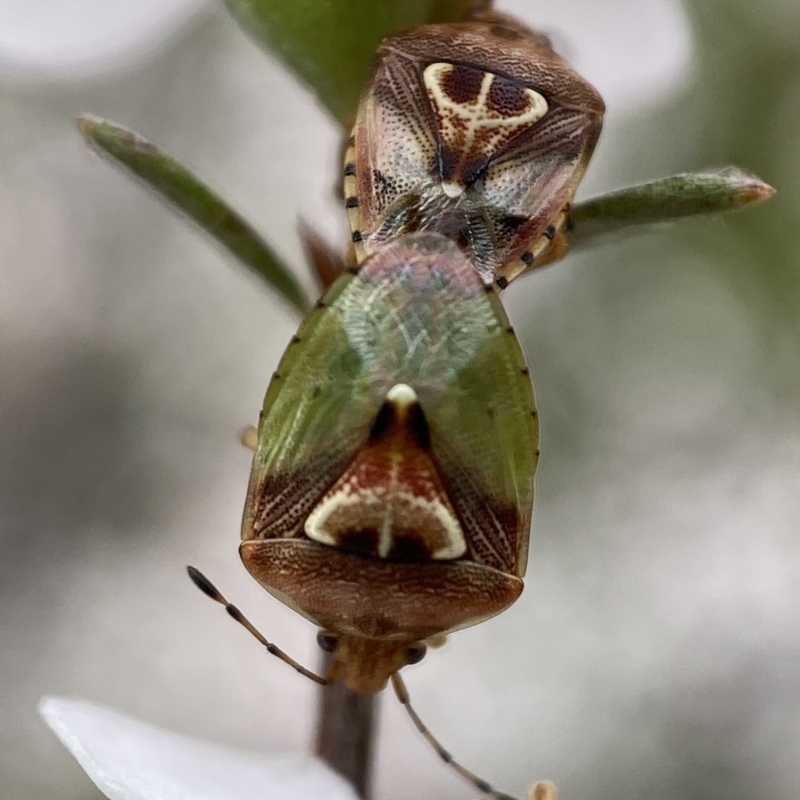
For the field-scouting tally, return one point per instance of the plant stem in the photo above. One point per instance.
(345, 733)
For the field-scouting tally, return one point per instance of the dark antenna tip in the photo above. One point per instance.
(206, 587)
(204, 584)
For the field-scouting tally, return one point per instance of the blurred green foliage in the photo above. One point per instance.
(747, 77)
(742, 106)
(329, 45)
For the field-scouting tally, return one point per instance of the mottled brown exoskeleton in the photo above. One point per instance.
(475, 130)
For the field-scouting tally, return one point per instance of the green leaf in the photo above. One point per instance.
(329, 45)
(666, 200)
(190, 195)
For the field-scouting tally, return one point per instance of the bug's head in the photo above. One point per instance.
(365, 665)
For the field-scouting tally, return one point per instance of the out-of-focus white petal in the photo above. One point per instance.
(631, 50)
(67, 39)
(130, 760)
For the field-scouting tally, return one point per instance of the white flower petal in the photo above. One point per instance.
(131, 760)
(631, 50)
(56, 39)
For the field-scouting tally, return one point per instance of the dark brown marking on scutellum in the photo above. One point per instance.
(447, 161)
(363, 542)
(450, 167)
(462, 84)
(383, 421)
(507, 97)
(415, 423)
(418, 426)
(410, 549)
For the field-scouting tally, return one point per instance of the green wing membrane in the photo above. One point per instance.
(416, 313)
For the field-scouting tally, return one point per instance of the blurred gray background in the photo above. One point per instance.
(656, 651)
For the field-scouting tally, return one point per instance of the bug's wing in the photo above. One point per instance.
(485, 437)
(391, 157)
(317, 412)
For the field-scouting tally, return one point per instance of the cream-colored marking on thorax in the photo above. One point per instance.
(476, 115)
(383, 500)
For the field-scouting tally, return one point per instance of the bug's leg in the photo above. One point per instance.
(327, 263)
(543, 790)
(480, 784)
(208, 588)
(248, 437)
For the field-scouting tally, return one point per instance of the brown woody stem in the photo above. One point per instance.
(345, 733)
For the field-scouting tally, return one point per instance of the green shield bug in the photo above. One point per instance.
(391, 492)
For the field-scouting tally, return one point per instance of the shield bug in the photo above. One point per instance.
(391, 491)
(478, 131)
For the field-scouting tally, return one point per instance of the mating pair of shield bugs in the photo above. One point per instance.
(392, 485)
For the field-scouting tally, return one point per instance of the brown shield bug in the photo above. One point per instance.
(478, 131)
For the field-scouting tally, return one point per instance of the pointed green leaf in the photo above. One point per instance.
(666, 200)
(329, 45)
(191, 196)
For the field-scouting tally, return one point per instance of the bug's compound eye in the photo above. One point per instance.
(327, 641)
(416, 653)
